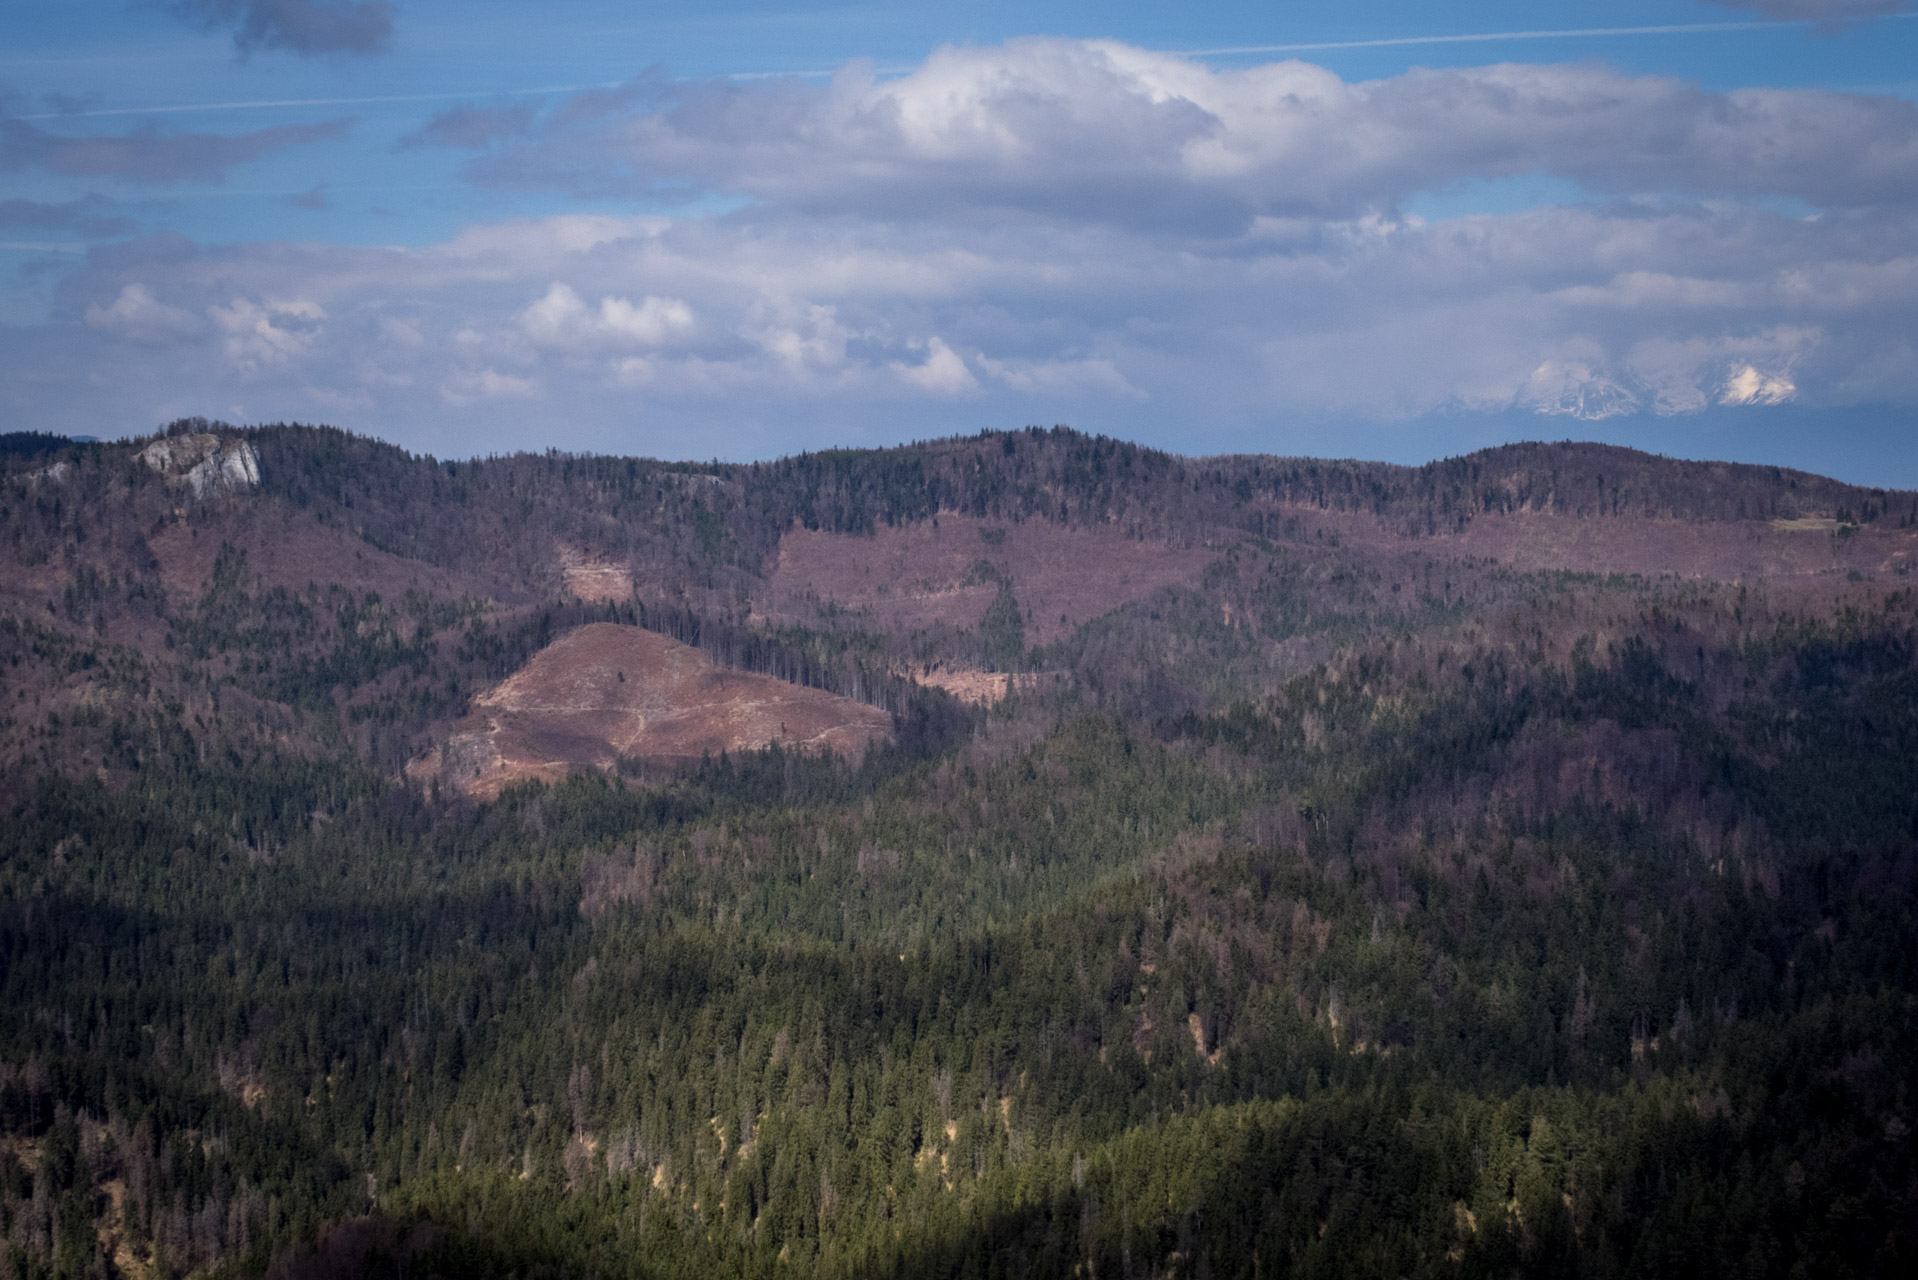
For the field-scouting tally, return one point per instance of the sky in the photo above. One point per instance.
(739, 230)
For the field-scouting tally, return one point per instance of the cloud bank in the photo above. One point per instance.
(1100, 131)
(1056, 231)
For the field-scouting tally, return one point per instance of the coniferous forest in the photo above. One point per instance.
(1504, 867)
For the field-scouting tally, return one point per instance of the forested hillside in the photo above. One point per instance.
(1507, 866)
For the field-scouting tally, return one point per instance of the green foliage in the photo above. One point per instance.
(1088, 1002)
(23, 445)
(1003, 631)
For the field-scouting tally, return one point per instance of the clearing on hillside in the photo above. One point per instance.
(607, 691)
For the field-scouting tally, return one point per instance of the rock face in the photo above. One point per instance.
(204, 463)
(606, 691)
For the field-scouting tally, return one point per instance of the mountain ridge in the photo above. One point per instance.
(1045, 533)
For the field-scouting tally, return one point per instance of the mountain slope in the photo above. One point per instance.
(1464, 870)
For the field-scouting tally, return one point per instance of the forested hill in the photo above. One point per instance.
(1272, 866)
(492, 517)
(1063, 475)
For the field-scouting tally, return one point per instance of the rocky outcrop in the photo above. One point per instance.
(205, 463)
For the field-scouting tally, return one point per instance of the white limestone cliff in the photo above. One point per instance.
(205, 463)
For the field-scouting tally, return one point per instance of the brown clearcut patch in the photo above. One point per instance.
(291, 550)
(946, 572)
(591, 579)
(979, 687)
(1719, 550)
(606, 691)
(1196, 1025)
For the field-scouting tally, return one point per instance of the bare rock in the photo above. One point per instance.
(205, 463)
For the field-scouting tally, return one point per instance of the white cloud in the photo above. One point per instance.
(261, 333)
(556, 317)
(942, 372)
(1582, 312)
(1061, 231)
(470, 387)
(561, 318)
(1747, 385)
(804, 340)
(634, 371)
(1102, 131)
(653, 321)
(1060, 377)
(549, 241)
(405, 333)
(138, 316)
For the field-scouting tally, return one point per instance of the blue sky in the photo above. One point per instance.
(740, 230)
